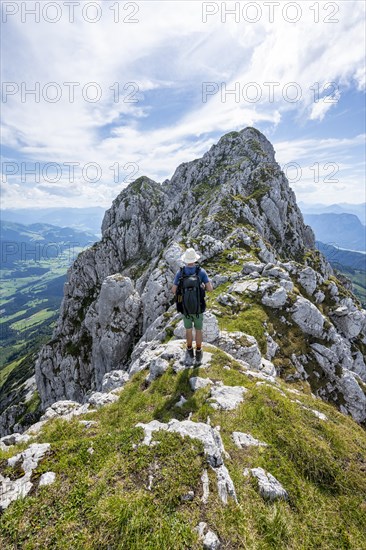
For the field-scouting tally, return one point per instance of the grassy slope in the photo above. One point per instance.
(358, 279)
(102, 500)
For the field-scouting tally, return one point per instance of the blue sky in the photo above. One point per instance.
(163, 62)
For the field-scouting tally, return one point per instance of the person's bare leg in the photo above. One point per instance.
(198, 339)
(189, 337)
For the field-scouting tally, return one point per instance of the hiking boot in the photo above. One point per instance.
(198, 357)
(189, 357)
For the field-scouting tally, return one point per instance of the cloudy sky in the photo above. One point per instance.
(124, 89)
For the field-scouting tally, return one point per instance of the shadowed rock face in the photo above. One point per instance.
(234, 199)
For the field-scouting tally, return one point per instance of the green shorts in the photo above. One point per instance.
(193, 320)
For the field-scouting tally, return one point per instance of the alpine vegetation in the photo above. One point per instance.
(258, 443)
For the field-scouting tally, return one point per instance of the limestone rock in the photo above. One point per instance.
(276, 299)
(155, 356)
(308, 279)
(30, 457)
(349, 320)
(227, 398)
(225, 484)
(249, 267)
(197, 383)
(99, 399)
(355, 398)
(181, 401)
(359, 366)
(319, 296)
(209, 246)
(244, 286)
(243, 440)
(272, 347)
(47, 479)
(209, 539)
(227, 300)
(241, 346)
(13, 439)
(157, 367)
(267, 367)
(161, 327)
(112, 327)
(156, 295)
(209, 437)
(114, 379)
(205, 487)
(12, 490)
(265, 254)
(172, 256)
(213, 448)
(272, 270)
(343, 382)
(219, 279)
(269, 487)
(308, 317)
(65, 408)
(319, 414)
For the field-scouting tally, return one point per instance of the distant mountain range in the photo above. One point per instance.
(340, 230)
(358, 210)
(90, 218)
(340, 258)
(84, 219)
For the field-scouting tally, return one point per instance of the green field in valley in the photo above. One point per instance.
(30, 298)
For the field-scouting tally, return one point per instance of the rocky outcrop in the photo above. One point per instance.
(234, 205)
(112, 323)
(269, 487)
(243, 440)
(12, 489)
(102, 316)
(307, 316)
(212, 445)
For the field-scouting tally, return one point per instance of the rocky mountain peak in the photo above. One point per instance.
(236, 182)
(276, 304)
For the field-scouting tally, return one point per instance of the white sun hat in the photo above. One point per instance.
(190, 256)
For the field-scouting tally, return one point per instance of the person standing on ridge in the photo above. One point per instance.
(190, 284)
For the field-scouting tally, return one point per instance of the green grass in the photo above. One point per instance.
(4, 372)
(29, 302)
(358, 279)
(103, 500)
(249, 321)
(33, 320)
(19, 313)
(8, 351)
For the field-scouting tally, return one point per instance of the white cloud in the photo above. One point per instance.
(169, 51)
(324, 170)
(319, 109)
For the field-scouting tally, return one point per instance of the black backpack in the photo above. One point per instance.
(190, 296)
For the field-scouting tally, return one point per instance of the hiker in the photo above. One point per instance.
(190, 284)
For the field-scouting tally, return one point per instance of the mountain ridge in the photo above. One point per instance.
(343, 230)
(237, 198)
(253, 448)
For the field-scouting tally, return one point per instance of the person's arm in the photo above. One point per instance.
(174, 289)
(206, 283)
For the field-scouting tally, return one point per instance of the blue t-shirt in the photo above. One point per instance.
(191, 271)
